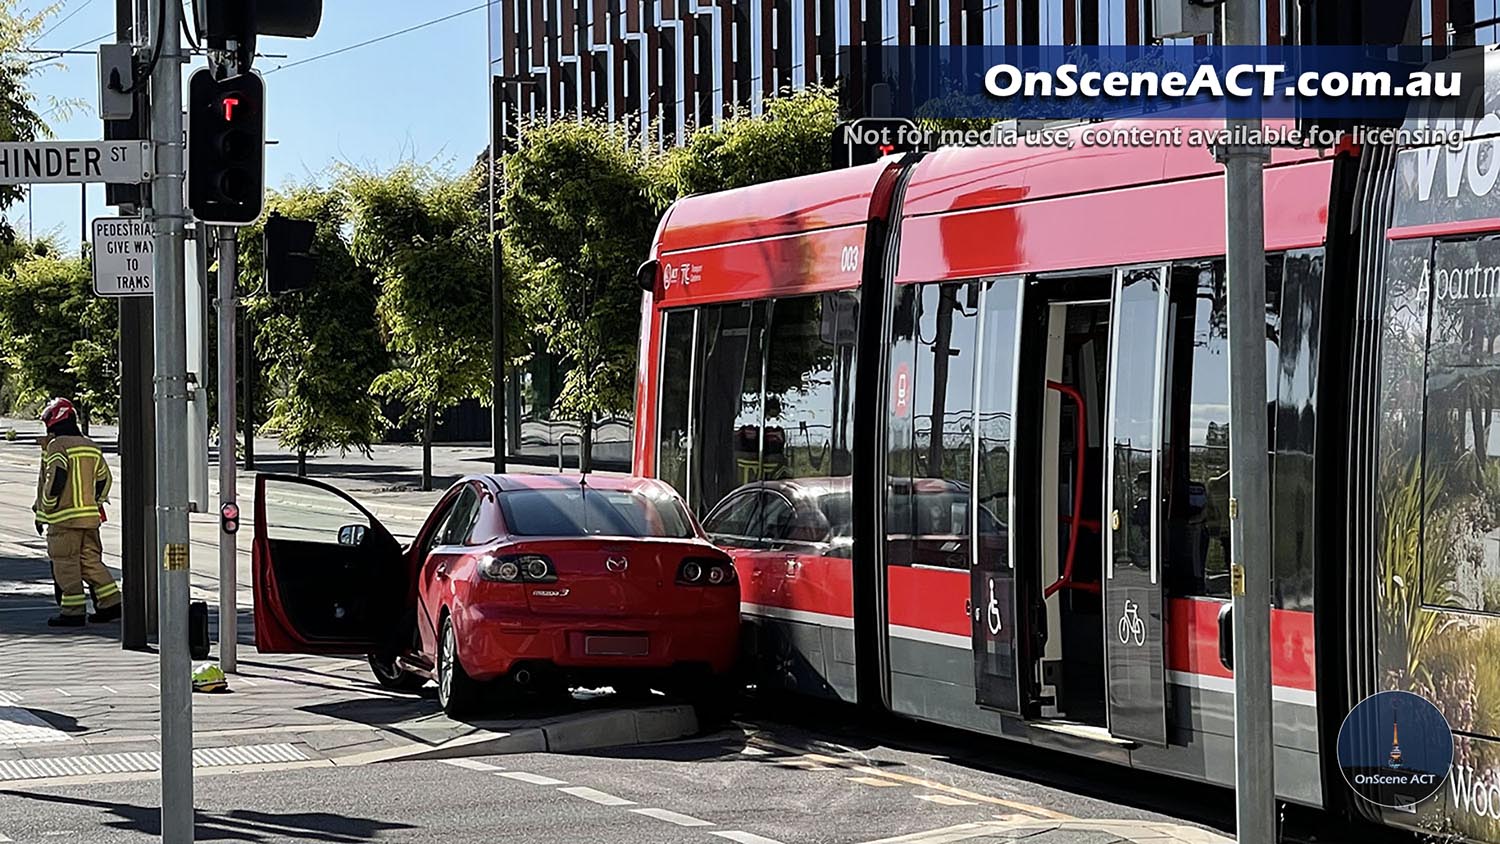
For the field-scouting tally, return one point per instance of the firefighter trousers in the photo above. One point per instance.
(77, 557)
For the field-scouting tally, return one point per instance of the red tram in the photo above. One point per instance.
(962, 419)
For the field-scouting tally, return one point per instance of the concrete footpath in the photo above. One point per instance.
(73, 704)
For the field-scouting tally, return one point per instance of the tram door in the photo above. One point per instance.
(999, 682)
(1134, 606)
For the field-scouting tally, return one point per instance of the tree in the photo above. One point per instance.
(578, 222)
(19, 120)
(792, 137)
(320, 347)
(56, 337)
(425, 239)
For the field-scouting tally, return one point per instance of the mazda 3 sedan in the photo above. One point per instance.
(512, 581)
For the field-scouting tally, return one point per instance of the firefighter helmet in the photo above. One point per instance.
(208, 677)
(57, 410)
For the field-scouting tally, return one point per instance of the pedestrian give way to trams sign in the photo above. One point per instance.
(123, 252)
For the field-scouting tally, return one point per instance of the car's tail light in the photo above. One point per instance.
(705, 571)
(518, 568)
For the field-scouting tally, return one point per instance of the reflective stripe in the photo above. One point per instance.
(106, 590)
(84, 451)
(67, 515)
(74, 600)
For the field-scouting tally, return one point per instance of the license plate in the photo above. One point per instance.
(616, 645)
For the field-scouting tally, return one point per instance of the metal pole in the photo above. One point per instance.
(497, 278)
(1249, 476)
(137, 443)
(247, 370)
(228, 551)
(170, 301)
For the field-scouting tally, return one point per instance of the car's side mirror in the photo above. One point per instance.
(352, 534)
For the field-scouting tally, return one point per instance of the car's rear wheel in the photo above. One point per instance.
(458, 693)
(392, 676)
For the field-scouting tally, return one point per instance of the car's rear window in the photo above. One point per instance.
(591, 512)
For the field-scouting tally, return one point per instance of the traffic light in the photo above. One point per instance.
(289, 254)
(226, 146)
(869, 139)
(222, 21)
(229, 517)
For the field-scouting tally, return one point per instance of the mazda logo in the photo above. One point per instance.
(617, 564)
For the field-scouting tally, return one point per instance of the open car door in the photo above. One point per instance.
(328, 577)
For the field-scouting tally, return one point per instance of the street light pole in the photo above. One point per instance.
(499, 108)
(1249, 489)
(169, 219)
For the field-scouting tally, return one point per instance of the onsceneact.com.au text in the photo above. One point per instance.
(1239, 80)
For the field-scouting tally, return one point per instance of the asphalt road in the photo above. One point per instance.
(762, 788)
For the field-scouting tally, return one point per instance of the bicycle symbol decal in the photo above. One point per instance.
(1131, 625)
(994, 611)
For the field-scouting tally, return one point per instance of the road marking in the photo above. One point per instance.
(754, 751)
(595, 796)
(947, 834)
(1036, 811)
(472, 764)
(672, 817)
(3, 839)
(744, 837)
(944, 800)
(64, 692)
(875, 782)
(534, 779)
(108, 689)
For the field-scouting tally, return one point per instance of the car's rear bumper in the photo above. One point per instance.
(493, 642)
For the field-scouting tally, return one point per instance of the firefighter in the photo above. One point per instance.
(71, 490)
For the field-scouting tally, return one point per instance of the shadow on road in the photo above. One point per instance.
(235, 825)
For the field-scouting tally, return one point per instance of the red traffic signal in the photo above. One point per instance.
(229, 516)
(226, 147)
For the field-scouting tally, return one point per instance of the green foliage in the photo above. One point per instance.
(578, 223)
(319, 348)
(425, 239)
(56, 337)
(790, 138)
(19, 120)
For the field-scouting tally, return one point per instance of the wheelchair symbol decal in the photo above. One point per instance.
(993, 612)
(1131, 625)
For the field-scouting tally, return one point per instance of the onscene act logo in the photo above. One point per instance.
(1395, 749)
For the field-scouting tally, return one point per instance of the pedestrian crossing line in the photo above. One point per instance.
(875, 782)
(534, 779)
(4, 840)
(743, 837)
(944, 800)
(672, 817)
(593, 795)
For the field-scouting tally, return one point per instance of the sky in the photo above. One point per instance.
(420, 96)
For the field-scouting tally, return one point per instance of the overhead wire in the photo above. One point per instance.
(65, 19)
(385, 37)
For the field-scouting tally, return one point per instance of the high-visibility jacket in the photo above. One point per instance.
(73, 483)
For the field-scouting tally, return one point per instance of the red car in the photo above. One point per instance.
(512, 580)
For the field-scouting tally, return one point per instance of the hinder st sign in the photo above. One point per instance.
(50, 162)
(123, 252)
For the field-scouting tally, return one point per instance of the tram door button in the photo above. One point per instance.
(1114, 520)
(1226, 636)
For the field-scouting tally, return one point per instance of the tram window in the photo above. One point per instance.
(809, 380)
(932, 507)
(727, 425)
(1460, 563)
(1196, 431)
(993, 422)
(672, 415)
(1197, 518)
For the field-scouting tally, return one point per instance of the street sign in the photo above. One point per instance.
(123, 257)
(51, 162)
